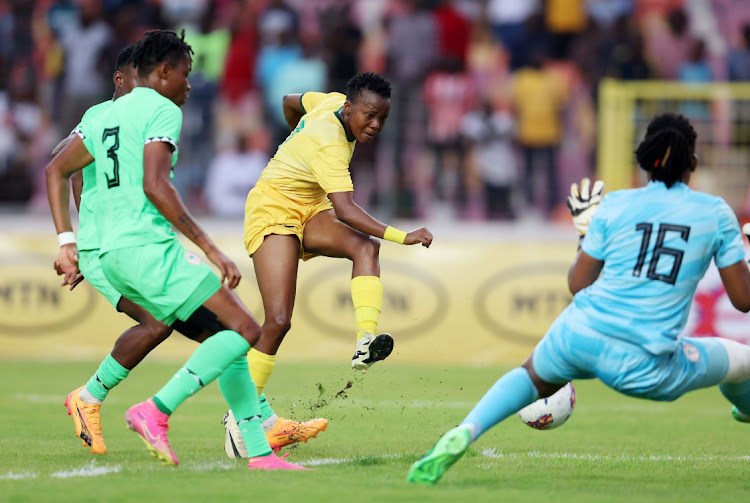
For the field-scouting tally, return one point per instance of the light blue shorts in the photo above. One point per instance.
(571, 351)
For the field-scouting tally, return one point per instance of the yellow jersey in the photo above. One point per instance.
(314, 159)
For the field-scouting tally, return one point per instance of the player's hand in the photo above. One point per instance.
(79, 277)
(584, 202)
(229, 271)
(421, 235)
(66, 264)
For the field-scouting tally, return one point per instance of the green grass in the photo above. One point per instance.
(613, 448)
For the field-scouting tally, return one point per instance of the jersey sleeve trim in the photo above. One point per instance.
(304, 112)
(77, 131)
(164, 139)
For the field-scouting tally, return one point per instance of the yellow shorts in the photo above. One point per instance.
(268, 211)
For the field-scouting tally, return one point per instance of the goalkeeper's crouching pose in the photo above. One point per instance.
(633, 281)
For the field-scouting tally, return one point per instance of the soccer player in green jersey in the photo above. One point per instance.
(84, 403)
(134, 344)
(135, 209)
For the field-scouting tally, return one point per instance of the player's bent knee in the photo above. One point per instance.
(738, 355)
(366, 248)
(158, 331)
(277, 326)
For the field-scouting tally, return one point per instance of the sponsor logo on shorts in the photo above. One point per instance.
(192, 258)
(691, 352)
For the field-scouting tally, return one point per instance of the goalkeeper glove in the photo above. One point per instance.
(583, 203)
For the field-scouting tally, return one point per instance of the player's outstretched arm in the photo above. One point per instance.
(157, 163)
(293, 110)
(73, 157)
(355, 217)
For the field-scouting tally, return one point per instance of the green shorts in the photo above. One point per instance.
(91, 267)
(164, 278)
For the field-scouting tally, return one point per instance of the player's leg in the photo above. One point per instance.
(736, 383)
(542, 374)
(275, 263)
(131, 347)
(327, 235)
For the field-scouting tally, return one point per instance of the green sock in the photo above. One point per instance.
(238, 389)
(109, 375)
(265, 408)
(207, 363)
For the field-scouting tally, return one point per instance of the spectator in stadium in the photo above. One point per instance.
(411, 53)
(233, 172)
(449, 93)
(739, 58)
(538, 97)
(669, 43)
(84, 43)
(564, 19)
(491, 160)
(597, 336)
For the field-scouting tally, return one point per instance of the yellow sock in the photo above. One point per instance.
(261, 367)
(367, 296)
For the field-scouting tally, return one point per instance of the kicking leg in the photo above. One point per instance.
(326, 235)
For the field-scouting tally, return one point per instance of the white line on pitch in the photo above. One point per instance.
(18, 476)
(495, 453)
(90, 470)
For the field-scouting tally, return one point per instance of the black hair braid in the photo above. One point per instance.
(124, 57)
(160, 46)
(367, 81)
(667, 150)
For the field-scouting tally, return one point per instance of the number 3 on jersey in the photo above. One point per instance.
(114, 180)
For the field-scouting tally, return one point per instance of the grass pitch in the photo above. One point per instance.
(613, 448)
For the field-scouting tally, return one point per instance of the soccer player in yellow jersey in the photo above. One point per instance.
(303, 206)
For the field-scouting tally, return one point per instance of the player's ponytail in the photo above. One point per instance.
(667, 150)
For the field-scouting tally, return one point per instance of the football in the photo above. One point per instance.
(551, 412)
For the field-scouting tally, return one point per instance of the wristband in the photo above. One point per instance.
(394, 235)
(66, 238)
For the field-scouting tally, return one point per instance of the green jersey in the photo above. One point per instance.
(124, 216)
(88, 237)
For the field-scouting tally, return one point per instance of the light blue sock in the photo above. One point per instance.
(511, 393)
(739, 394)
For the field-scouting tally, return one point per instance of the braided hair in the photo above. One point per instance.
(160, 46)
(367, 81)
(124, 58)
(667, 150)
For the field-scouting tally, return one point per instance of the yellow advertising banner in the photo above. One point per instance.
(458, 302)
(477, 300)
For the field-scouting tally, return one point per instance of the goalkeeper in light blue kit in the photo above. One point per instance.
(633, 282)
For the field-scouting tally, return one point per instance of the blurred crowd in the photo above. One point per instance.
(494, 101)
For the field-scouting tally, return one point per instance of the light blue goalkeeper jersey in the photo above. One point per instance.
(656, 244)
